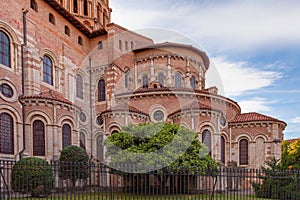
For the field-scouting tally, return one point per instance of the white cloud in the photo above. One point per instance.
(236, 78)
(295, 120)
(255, 104)
(228, 24)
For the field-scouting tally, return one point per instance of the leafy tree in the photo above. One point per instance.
(32, 175)
(73, 164)
(291, 154)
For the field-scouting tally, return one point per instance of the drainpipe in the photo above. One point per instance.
(25, 11)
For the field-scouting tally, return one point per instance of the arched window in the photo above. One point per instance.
(80, 40)
(79, 86)
(193, 82)
(67, 30)
(127, 79)
(100, 45)
(47, 70)
(206, 139)
(85, 7)
(66, 135)
(100, 149)
(75, 6)
(178, 80)
(126, 45)
(38, 138)
(161, 78)
(101, 91)
(243, 150)
(132, 45)
(6, 134)
(51, 18)
(223, 149)
(4, 49)
(33, 5)
(82, 140)
(145, 81)
(120, 45)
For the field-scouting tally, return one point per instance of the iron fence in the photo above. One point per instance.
(97, 181)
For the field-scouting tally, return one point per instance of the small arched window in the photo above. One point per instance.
(82, 140)
(178, 80)
(80, 40)
(47, 70)
(66, 135)
(101, 91)
(33, 5)
(85, 7)
(193, 82)
(51, 18)
(243, 151)
(79, 86)
(127, 79)
(145, 81)
(132, 45)
(38, 138)
(6, 134)
(161, 78)
(223, 147)
(206, 139)
(67, 30)
(126, 45)
(120, 45)
(4, 49)
(75, 6)
(100, 45)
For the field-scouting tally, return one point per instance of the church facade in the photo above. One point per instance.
(68, 76)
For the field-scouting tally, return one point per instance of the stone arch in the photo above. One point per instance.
(10, 32)
(260, 136)
(51, 55)
(67, 119)
(243, 136)
(185, 125)
(31, 116)
(208, 125)
(12, 111)
(113, 127)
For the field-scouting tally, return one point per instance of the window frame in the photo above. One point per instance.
(79, 86)
(244, 152)
(48, 70)
(38, 137)
(178, 80)
(6, 123)
(66, 135)
(5, 49)
(101, 91)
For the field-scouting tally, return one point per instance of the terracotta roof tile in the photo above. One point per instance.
(253, 117)
(50, 95)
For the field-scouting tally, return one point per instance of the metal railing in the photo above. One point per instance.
(97, 181)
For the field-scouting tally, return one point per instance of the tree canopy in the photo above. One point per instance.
(155, 146)
(291, 154)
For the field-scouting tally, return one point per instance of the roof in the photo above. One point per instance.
(253, 117)
(68, 16)
(50, 95)
(124, 107)
(177, 45)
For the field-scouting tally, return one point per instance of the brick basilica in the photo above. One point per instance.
(70, 76)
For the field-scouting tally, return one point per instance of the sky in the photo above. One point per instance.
(253, 46)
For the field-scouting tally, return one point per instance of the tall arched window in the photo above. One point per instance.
(47, 70)
(4, 49)
(38, 138)
(85, 7)
(79, 86)
(75, 6)
(178, 80)
(161, 78)
(6, 134)
(193, 82)
(101, 91)
(100, 149)
(223, 149)
(127, 79)
(206, 139)
(243, 151)
(82, 140)
(66, 135)
(145, 81)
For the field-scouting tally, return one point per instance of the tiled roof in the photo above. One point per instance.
(253, 117)
(124, 107)
(50, 95)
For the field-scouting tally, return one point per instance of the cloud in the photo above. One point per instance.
(255, 104)
(229, 24)
(295, 120)
(237, 78)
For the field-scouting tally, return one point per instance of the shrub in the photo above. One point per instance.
(32, 175)
(73, 164)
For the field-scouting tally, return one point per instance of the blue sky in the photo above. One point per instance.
(253, 45)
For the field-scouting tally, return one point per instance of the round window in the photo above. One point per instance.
(6, 90)
(100, 120)
(82, 117)
(158, 115)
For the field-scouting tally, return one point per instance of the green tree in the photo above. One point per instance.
(32, 175)
(291, 154)
(158, 147)
(73, 164)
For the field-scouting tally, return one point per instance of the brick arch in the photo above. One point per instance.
(10, 32)
(112, 127)
(243, 136)
(260, 136)
(51, 54)
(12, 111)
(31, 116)
(67, 119)
(206, 125)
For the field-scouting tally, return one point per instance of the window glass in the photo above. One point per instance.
(47, 70)
(38, 138)
(6, 134)
(4, 49)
